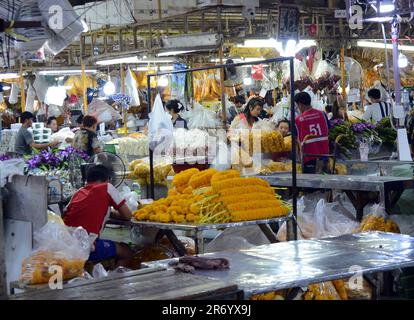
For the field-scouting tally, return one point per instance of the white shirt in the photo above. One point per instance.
(373, 111)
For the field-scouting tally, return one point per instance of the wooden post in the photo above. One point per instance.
(124, 112)
(23, 95)
(343, 82)
(85, 99)
(223, 96)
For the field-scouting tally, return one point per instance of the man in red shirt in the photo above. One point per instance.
(314, 124)
(90, 208)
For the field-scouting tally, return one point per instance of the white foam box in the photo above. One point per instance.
(38, 125)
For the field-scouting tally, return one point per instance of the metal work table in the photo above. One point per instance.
(197, 230)
(297, 264)
(356, 187)
(145, 284)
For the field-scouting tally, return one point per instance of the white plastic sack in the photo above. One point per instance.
(160, 127)
(30, 99)
(201, 118)
(40, 85)
(14, 93)
(330, 220)
(131, 88)
(9, 168)
(130, 197)
(62, 135)
(54, 111)
(103, 111)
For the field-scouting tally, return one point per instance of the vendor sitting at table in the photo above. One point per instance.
(249, 115)
(283, 126)
(90, 209)
(313, 130)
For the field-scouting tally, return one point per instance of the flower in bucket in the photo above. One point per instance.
(4, 157)
(55, 159)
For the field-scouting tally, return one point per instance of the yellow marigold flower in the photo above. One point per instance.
(238, 182)
(202, 179)
(183, 177)
(251, 205)
(179, 218)
(188, 190)
(190, 217)
(245, 190)
(258, 214)
(255, 196)
(223, 175)
(164, 217)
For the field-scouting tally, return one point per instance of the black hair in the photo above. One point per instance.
(303, 98)
(97, 173)
(253, 102)
(328, 108)
(374, 93)
(283, 121)
(50, 119)
(89, 121)
(240, 99)
(174, 105)
(79, 120)
(26, 116)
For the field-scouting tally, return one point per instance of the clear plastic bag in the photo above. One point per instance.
(322, 291)
(30, 99)
(202, 118)
(237, 239)
(57, 246)
(160, 127)
(332, 220)
(376, 219)
(131, 88)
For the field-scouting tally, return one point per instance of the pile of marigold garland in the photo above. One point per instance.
(211, 197)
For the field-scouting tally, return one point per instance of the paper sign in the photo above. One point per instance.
(403, 146)
(340, 13)
(263, 92)
(257, 72)
(102, 128)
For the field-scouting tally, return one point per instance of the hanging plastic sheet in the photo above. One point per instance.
(160, 126)
(178, 82)
(131, 88)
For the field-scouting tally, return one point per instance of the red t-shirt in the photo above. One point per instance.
(313, 122)
(90, 206)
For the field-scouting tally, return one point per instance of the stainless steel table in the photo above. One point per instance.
(356, 187)
(300, 263)
(197, 230)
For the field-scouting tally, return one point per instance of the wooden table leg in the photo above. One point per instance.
(177, 244)
(268, 233)
(359, 201)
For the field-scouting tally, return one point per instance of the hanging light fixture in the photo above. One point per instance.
(109, 88)
(163, 81)
(248, 81)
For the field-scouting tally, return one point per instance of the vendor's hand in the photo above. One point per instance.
(69, 140)
(53, 143)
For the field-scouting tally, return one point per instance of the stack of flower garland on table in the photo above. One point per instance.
(210, 196)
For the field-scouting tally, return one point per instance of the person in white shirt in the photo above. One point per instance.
(377, 110)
